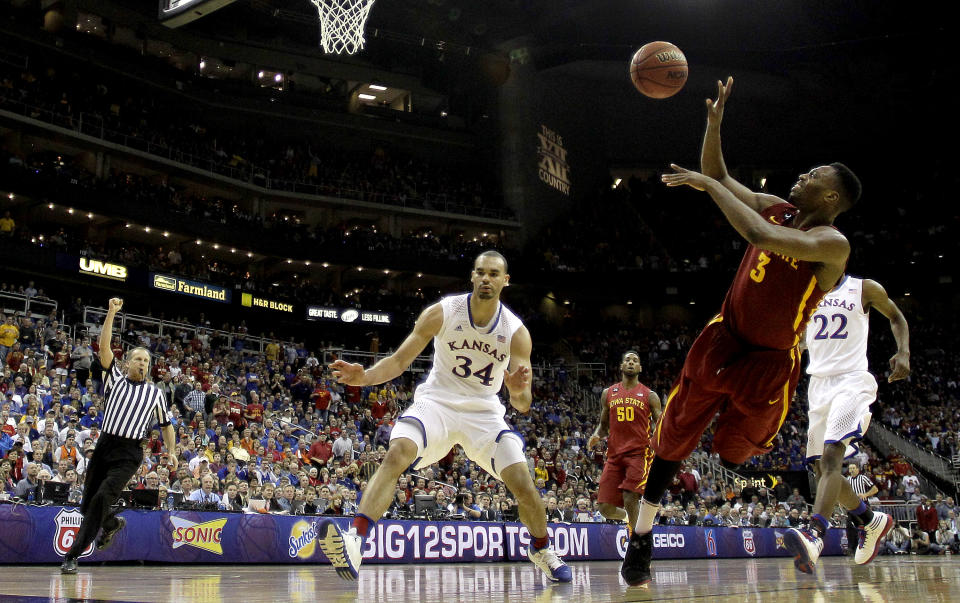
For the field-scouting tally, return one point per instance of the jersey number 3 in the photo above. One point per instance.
(463, 371)
(759, 272)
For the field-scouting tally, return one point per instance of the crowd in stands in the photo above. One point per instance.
(275, 428)
(122, 110)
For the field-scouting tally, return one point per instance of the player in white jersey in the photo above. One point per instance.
(479, 346)
(840, 393)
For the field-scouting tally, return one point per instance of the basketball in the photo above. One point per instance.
(658, 70)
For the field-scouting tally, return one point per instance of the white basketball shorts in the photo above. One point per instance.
(435, 426)
(839, 411)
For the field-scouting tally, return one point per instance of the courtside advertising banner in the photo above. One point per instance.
(43, 534)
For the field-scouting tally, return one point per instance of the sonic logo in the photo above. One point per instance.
(68, 524)
(205, 536)
(303, 540)
(778, 536)
(748, 543)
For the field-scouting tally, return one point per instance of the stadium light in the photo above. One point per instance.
(233, 250)
(366, 97)
(70, 211)
(306, 262)
(377, 87)
(146, 229)
(325, 265)
(50, 206)
(216, 246)
(89, 215)
(199, 241)
(249, 255)
(166, 234)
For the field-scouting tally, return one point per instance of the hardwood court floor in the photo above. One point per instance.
(915, 579)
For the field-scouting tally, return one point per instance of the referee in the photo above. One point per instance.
(864, 488)
(132, 405)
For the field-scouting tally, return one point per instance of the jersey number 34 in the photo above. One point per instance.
(485, 375)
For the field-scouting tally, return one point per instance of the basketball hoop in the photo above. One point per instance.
(342, 23)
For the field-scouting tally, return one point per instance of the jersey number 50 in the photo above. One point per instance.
(624, 413)
(485, 375)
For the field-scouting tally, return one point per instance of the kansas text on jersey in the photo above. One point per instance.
(469, 360)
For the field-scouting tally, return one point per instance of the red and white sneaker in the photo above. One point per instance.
(806, 549)
(871, 537)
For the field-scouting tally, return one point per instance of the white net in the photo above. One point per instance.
(342, 23)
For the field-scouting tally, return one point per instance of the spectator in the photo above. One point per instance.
(897, 541)
(927, 519)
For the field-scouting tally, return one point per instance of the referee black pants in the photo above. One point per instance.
(115, 460)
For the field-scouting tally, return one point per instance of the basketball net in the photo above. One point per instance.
(342, 23)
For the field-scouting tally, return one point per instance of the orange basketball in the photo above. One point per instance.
(659, 69)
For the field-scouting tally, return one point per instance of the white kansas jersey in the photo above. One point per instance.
(837, 332)
(469, 360)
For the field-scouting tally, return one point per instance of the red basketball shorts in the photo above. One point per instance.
(749, 387)
(624, 472)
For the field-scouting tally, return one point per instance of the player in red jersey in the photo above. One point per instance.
(634, 409)
(745, 364)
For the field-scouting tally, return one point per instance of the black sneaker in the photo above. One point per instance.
(107, 536)
(69, 566)
(636, 563)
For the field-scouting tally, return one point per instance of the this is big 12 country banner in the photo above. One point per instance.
(44, 534)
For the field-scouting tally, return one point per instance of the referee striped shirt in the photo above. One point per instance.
(861, 484)
(132, 407)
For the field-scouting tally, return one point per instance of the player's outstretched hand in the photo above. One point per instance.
(518, 380)
(899, 367)
(115, 304)
(173, 464)
(682, 176)
(715, 107)
(593, 442)
(347, 373)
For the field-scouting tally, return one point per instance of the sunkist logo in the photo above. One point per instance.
(303, 539)
(206, 536)
(105, 269)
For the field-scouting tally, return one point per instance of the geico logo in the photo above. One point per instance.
(668, 541)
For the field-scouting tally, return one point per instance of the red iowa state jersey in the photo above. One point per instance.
(629, 419)
(772, 296)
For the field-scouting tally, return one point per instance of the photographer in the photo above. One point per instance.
(919, 541)
(463, 505)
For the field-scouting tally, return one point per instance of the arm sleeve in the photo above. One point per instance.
(161, 410)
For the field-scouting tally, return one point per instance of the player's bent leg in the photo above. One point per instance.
(631, 504)
(612, 512)
(344, 548)
(533, 515)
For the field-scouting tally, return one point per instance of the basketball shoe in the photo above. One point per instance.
(806, 549)
(636, 563)
(871, 537)
(551, 564)
(344, 548)
(106, 538)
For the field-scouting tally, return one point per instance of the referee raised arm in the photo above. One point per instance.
(132, 405)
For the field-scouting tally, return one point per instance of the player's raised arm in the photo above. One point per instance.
(428, 325)
(821, 244)
(711, 154)
(517, 375)
(875, 296)
(106, 333)
(603, 427)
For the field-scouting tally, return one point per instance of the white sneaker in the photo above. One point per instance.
(806, 549)
(552, 565)
(342, 548)
(871, 537)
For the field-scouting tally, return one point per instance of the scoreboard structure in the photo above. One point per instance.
(174, 13)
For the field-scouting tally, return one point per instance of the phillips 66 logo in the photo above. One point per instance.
(748, 544)
(68, 524)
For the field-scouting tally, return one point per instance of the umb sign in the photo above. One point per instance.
(552, 167)
(348, 315)
(103, 269)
